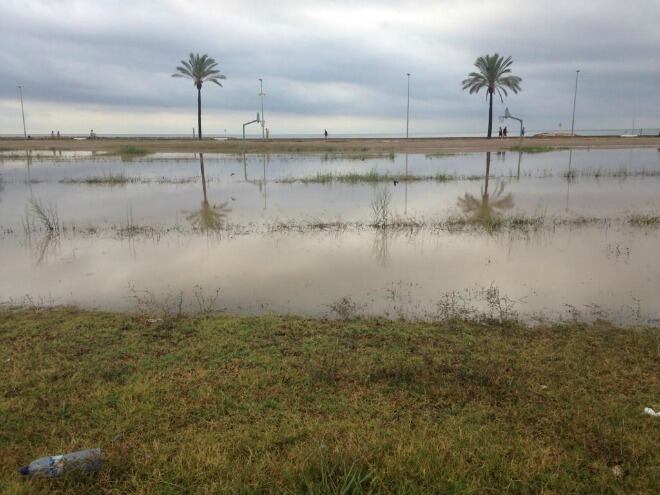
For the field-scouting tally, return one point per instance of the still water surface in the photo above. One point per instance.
(161, 232)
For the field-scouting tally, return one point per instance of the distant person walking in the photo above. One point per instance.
(58, 134)
(325, 133)
(52, 134)
(522, 132)
(499, 133)
(504, 131)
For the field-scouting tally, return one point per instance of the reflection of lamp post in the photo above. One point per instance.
(405, 187)
(507, 115)
(577, 73)
(568, 177)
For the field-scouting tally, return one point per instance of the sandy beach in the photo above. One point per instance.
(417, 145)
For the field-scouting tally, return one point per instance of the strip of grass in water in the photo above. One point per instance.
(644, 220)
(290, 405)
(369, 177)
(133, 150)
(362, 156)
(121, 179)
(537, 149)
(109, 179)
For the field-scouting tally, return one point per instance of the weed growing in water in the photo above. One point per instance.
(205, 304)
(47, 216)
(132, 150)
(109, 179)
(380, 208)
(537, 149)
(345, 308)
(644, 220)
(486, 304)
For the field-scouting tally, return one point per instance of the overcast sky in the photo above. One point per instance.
(340, 65)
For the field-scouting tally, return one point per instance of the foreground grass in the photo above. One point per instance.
(289, 405)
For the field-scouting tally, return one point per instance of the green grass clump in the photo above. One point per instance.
(370, 177)
(276, 404)
(118, 179)
(644, 220)
(40, 215)
(537, 149)
(132, 150)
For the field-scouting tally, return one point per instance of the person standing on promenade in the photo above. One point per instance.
(499, 133)
(504, 131)
(325, 133)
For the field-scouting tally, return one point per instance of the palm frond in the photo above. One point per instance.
(199, 68)
(492, 73)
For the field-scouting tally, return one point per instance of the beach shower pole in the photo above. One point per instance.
(262, 94)
(408, 106)
(577, 73)
(20, 91)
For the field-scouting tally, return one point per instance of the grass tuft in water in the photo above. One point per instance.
(537, 149)
(46, 216)
(111, 179)
(370, 177)
(644, 220)
(133, 150)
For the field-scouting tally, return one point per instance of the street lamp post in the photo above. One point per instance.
(263, 120)
(20, 91)
(408, 106)
(577, 73)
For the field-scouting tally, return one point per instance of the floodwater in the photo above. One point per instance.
(239, 233)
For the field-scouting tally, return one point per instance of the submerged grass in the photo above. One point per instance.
(537, 149)
(109, 179)
(371, 176)
(120, 179)
(39, 215)
(131, 150)
(217, 404)
(644, 220)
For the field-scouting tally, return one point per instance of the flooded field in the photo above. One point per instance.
(561, 234)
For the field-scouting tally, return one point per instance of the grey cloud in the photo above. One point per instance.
(123, 57)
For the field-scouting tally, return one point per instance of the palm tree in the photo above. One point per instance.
(200, 70)
(495, 75)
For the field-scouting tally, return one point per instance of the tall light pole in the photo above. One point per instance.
(577, 73)
(263, 120)
(408, 106)
(20, 92)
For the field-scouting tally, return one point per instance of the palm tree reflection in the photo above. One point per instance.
(208, 217)
(489, 208)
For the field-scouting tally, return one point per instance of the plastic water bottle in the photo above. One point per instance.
(87, 461)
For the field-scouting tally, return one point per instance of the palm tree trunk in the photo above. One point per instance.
(199, 113)
(490, 115)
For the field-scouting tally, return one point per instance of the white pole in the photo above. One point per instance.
(20, 90)
(577, 73)
(408, 106)
(263, 120)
